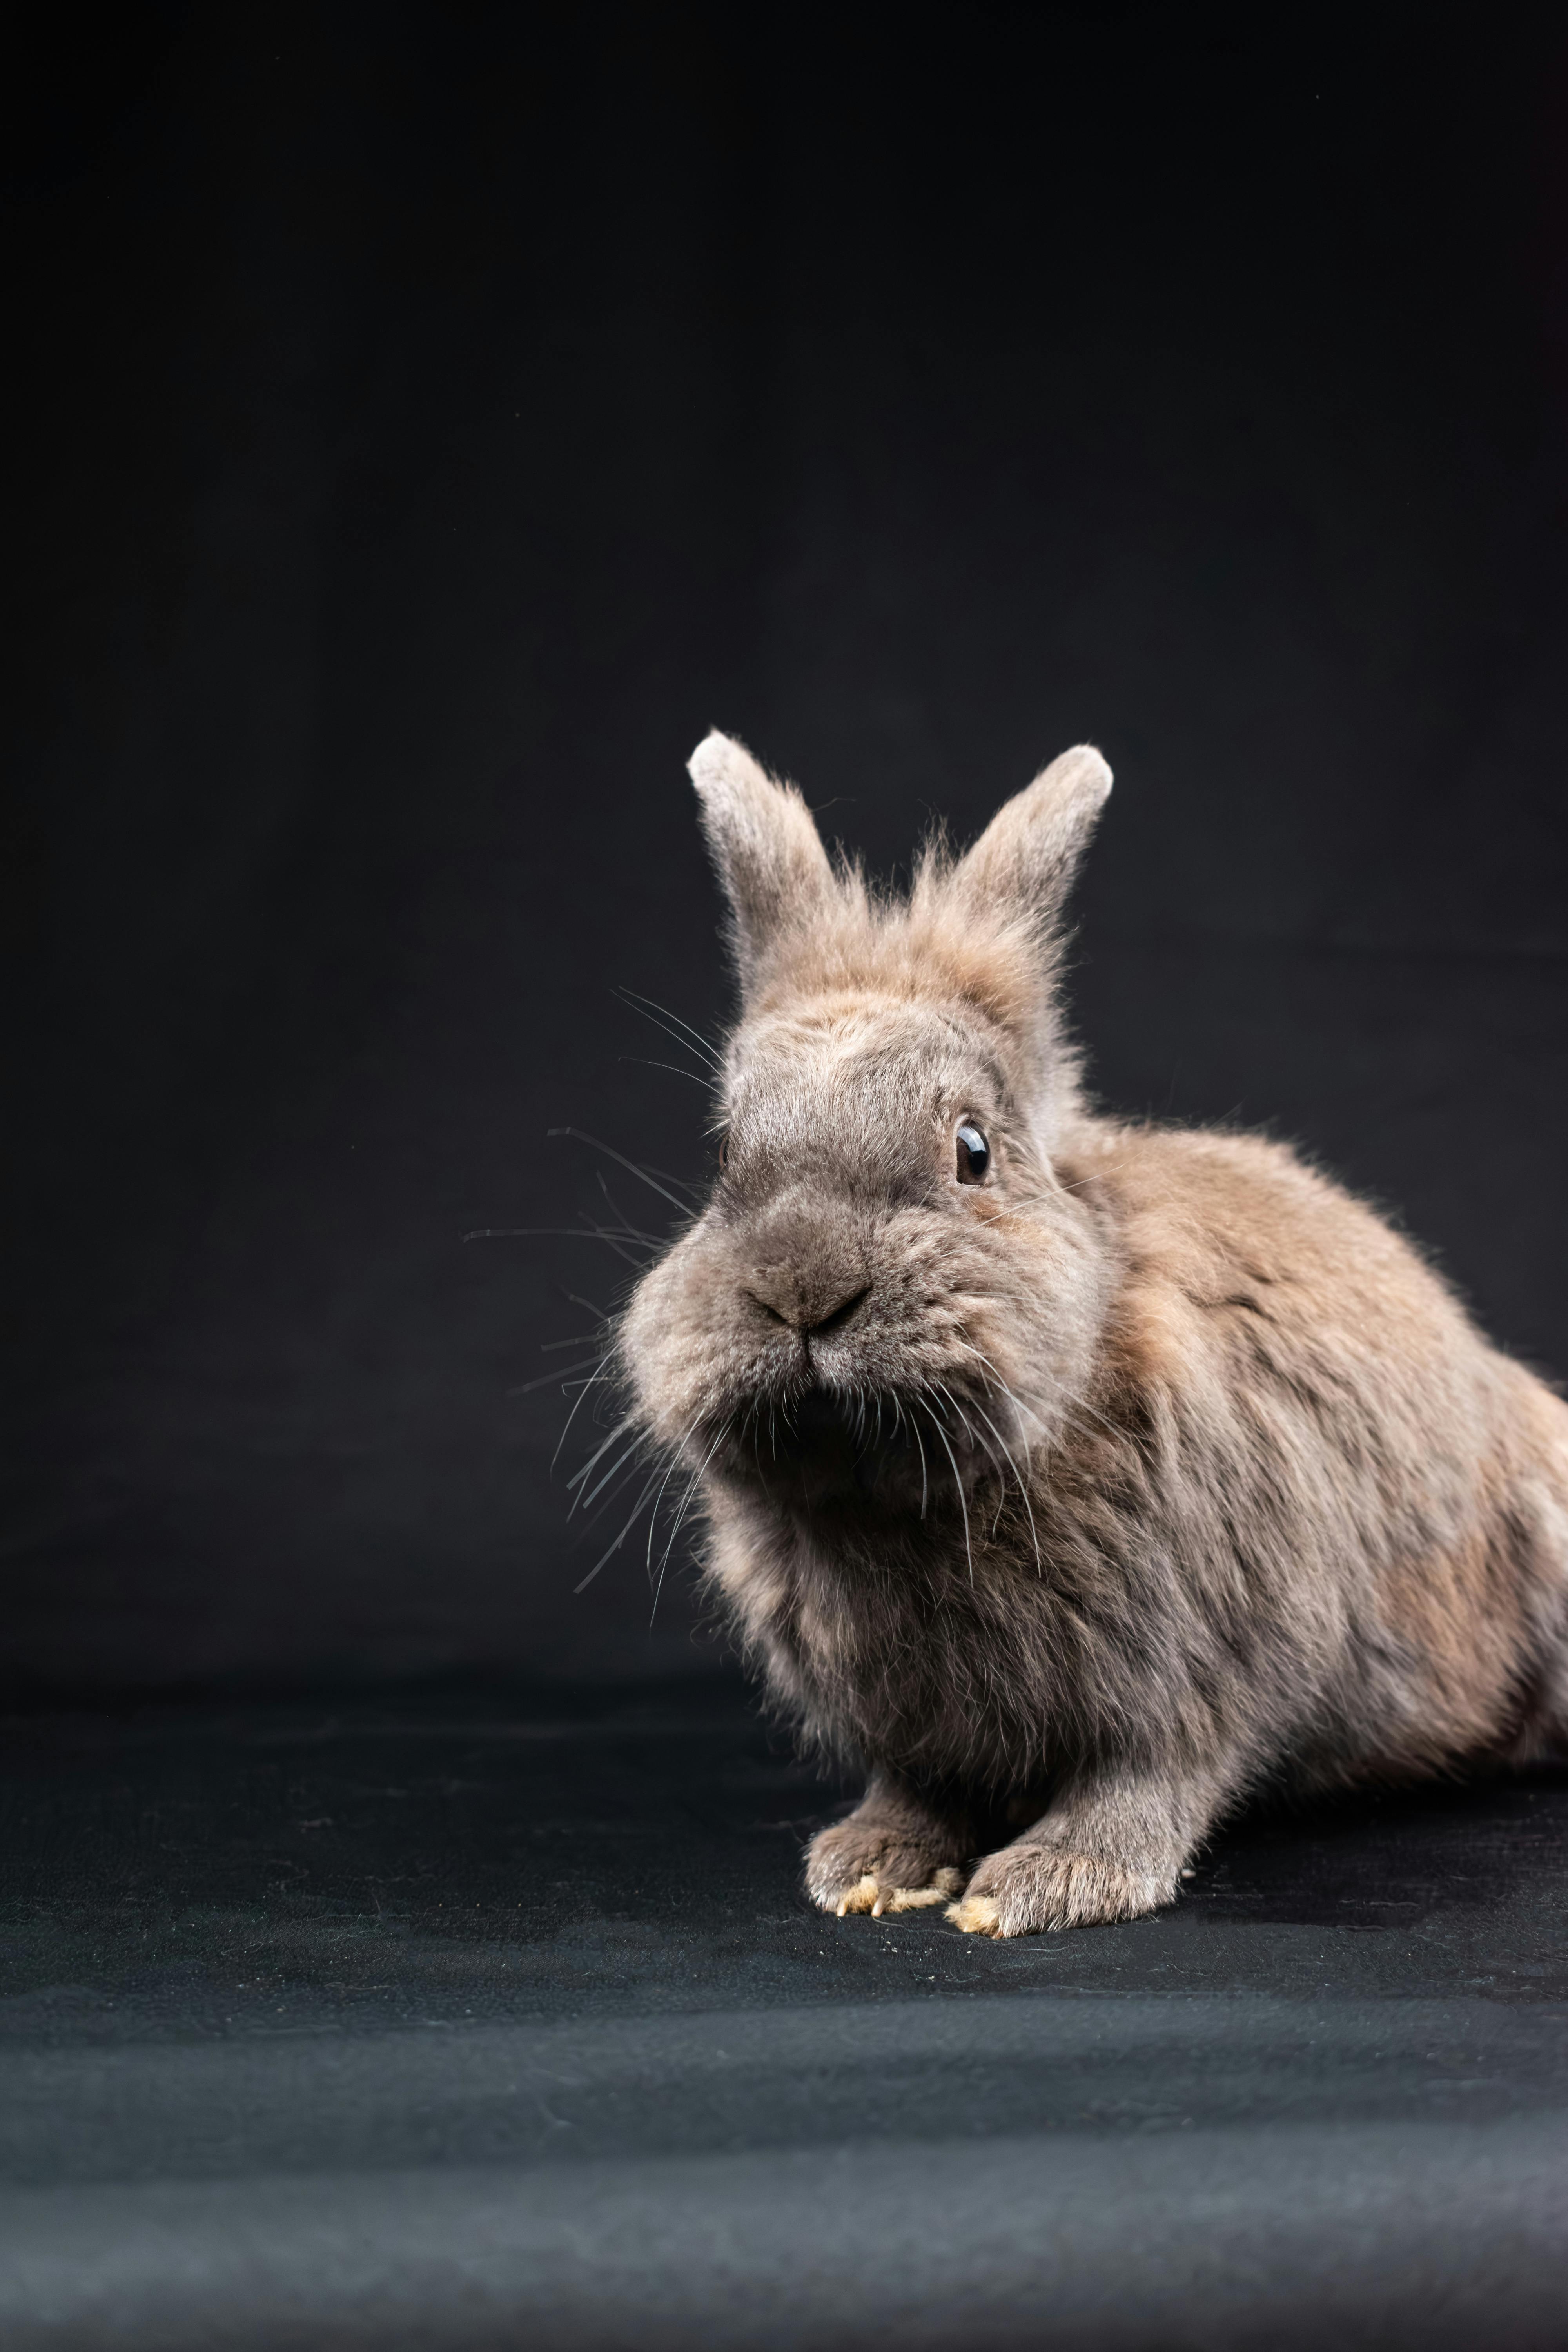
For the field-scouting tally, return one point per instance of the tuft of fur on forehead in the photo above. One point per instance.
(935, 948)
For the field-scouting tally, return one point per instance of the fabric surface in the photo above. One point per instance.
(480, 2016)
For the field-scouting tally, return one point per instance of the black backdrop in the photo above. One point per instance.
(426, 421)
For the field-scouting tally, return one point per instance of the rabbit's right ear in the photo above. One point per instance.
(765, 845)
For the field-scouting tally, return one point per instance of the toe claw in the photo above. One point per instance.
(976, 1915)
(858, 1897)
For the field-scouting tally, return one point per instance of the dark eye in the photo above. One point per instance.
(973, 1155)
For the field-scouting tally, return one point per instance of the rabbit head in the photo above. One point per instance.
(891, 1293)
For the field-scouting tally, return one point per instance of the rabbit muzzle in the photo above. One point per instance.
(807, 1271)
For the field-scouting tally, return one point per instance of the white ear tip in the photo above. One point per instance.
(1084, 768)
(716, 757)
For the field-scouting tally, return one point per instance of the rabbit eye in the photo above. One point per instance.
(973, 1155)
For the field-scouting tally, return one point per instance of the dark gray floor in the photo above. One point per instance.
(470, 2019)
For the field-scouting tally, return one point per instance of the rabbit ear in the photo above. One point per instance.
(1024, 863)
(765, 845)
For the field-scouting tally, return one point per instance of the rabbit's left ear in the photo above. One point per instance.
(765, 845)
(1022, 863)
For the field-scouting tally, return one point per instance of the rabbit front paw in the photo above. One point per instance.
(857, 1866)
(1026, 1889)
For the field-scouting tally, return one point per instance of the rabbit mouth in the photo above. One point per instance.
(880, 1451)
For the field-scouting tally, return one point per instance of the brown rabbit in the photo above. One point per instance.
(1078, 1476)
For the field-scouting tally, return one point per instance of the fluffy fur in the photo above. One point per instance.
(1083, 1500)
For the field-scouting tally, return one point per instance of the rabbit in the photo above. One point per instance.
(1077, 1476)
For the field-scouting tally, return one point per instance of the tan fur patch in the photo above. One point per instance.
(942, 1888)
(976, 1915)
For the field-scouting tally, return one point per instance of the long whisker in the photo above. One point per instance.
(638, 1266)
(674, 1068)
(704, 1045)
(942, 1389)
(619, 1431)
(958, 1482)
(586, 1499)
(684, 1507)
(562, 1372)
(660, 1015)
(981, 1358)
(1023, 1489)
(623, 1223)
(631, 1167)
(986, 1447)
(599, 1376)
(1072, 1409)
(622, 1231)
(620, 1539)
(669, 1472)
(623, 1483)
(565, 1233)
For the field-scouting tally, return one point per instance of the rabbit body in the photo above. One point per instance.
(1083, 1476)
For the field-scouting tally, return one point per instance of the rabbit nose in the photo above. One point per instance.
(807, 1298)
